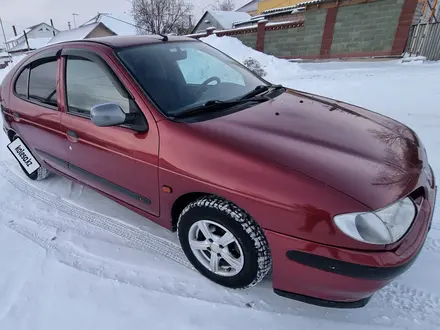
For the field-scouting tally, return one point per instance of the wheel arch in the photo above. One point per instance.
(181, 202)
(11, 134)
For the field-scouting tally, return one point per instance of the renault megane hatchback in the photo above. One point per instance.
(335, 199)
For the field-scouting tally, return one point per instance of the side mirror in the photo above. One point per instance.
(107, 114)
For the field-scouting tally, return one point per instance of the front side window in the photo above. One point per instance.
(87, 85)
(43, 82)
(178, 76)
(21, 84)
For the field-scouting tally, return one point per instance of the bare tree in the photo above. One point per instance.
(162, 16)
(225, 5)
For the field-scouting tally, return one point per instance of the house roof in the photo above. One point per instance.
(121, 24)
(75, 34)
(29, 29)
(227, 18)
(252, 3)
(288, 8)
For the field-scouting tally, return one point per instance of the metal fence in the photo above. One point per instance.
(424, 40)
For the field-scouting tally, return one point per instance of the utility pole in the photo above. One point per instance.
(68, 23)
(74, 20)
(27, 41)
(53, 27)
(4, 35)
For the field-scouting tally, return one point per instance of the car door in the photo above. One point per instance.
(34, 109)
(119, 161)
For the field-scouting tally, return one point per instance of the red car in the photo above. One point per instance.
(335, 199)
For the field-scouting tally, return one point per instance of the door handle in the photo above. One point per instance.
(72, 136)
(16, 116)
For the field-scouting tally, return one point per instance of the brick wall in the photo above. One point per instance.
(299, 41)
(366, 27)
(339, 28)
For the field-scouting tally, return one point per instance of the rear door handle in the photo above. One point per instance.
(16, 116)
(72, 136)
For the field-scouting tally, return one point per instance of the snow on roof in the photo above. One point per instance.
(3, 54)
(121, 24)
(34, 43)
(301, 4)
(74, 34)
(227, 18)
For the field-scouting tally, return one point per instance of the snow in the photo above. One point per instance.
(72, 259)
(271, 64)
(74, 34)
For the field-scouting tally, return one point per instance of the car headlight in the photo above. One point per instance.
(384, 226)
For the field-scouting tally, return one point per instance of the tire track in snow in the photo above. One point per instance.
(136, 236)
(432, 245)
(66, 253)
(76, 227)
(411, 303)
(407, 302)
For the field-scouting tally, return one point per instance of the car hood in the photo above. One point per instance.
(362, 154)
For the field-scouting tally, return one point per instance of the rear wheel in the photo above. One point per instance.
(223, 243)
(40, 174)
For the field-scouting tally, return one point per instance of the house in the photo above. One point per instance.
(221, 20)
(92, 30)
(250, 7)
(37, 31)
(264, 5)
(121, 24)
(293, 14)
(31, 44)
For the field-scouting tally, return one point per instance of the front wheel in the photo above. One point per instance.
(223, 243)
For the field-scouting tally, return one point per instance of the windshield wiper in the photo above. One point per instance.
(259, 90)
(218, 104)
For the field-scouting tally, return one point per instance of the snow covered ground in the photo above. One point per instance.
(72, 259)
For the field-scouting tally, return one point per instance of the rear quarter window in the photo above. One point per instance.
(21, 84)
(43, 82)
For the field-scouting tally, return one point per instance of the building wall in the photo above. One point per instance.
(339, 28)
(366, 27)
(300, 41)
(271, 4)
(41, 31)
(249, 39)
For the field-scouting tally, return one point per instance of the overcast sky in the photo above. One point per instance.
(25, 13)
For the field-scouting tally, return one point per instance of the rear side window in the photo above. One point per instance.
(21, 84)
(43, 83)
(88, 85)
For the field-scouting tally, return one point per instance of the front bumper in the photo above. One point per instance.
(334, 277)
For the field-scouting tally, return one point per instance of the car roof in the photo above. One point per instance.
(128, 41)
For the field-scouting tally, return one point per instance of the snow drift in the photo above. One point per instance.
(278, 70)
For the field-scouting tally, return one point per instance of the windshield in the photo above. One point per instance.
(181, 75)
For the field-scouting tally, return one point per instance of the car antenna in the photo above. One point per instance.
(164, 37)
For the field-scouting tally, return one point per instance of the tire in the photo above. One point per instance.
(40, 174)
(249, 251)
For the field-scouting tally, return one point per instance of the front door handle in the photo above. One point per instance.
(72, 136)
